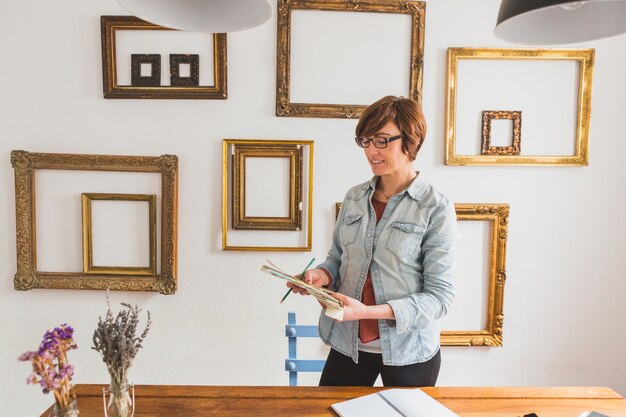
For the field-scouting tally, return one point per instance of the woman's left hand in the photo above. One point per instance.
(353, 309)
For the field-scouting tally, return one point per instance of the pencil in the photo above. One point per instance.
(302, 274)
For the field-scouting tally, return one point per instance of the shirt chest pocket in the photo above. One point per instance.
(405, 239)
(350, 229)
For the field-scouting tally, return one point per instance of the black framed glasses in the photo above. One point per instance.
(379, 142)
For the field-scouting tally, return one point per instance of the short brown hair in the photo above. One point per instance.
(404, 113)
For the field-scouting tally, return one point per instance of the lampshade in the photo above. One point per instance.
(210, 16)
(542, 22)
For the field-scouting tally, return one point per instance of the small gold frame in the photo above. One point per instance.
(516, 118)
(585, 57)
(498, 216)
(268, 144)
(294, 220)
(27, 276)
(284, 106)
(110, 24)
(88, 266)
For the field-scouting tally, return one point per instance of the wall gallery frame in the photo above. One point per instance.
(88, 235)
(291, 187)
(498, 217)
(584, 58)
(516, 119)
(240, 218)
(182, 90)
(286, 108)
(27, 277)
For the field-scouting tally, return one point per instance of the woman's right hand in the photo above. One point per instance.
(313, 276)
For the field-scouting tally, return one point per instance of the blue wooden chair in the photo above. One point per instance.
(293, 365)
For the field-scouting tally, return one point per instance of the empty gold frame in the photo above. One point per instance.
(88, 235)
(235, 151)
(516, 121)
(498, 216)
(585, 59)
(284, 106)
(27, 277)
(110, 24)
(241, 221)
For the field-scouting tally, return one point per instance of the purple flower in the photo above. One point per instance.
(50, 362)
(27, 356)
(65, 332)
(67, 371)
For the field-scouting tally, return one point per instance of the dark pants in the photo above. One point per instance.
(340, 370)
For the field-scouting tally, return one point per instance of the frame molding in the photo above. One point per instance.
(239, 219)
(27, 276)
(285, 108)
(585, 58)
(108, 26)
(88, 266)
(498, 216)
(516, 132)
(225, 171)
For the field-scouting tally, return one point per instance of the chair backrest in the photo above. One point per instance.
(293, 365)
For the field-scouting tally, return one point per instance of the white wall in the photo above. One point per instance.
(565, 318)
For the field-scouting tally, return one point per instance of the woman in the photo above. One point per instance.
(390, 262)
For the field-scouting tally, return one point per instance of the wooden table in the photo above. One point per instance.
(201, 401)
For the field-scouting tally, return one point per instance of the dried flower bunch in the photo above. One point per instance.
(50, 367)
(117, 341)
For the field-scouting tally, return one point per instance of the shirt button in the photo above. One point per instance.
(369, 235)
(358, 297)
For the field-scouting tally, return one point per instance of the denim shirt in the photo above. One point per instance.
(410, 253)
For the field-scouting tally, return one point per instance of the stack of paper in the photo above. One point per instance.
(393, 403)
(333, 307)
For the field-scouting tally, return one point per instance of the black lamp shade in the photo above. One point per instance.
(544, 22)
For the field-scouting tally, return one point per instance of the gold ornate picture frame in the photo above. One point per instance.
(88, 235)
(242, 221)
(585, 60)
(284, 106)
(516, 121)
(110, 24)
(300, 190)
(27, 277)
(498, 217)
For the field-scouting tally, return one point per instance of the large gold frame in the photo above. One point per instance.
(284, 107)
(585, 57)
(239, 218)
(225, 171)
(498, 216)
(27, 277)
(88, 266)
(110, 24)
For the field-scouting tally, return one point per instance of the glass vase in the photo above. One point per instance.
(59, 411)
(121, 401)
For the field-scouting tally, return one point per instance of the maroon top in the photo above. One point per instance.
(368, 329)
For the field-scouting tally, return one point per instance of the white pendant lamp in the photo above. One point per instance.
(544, 22)
(209, 16)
